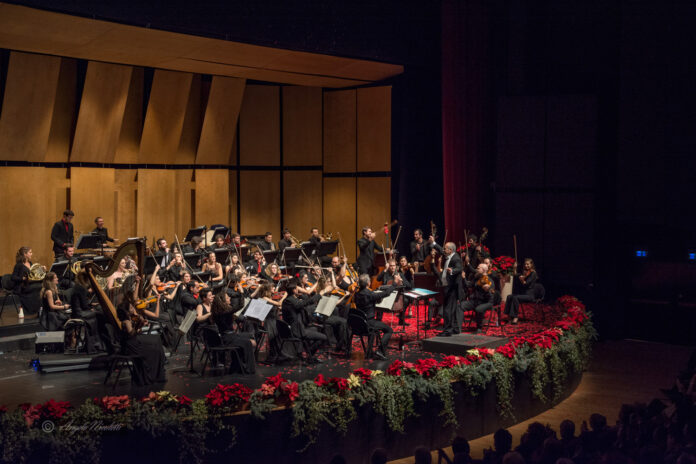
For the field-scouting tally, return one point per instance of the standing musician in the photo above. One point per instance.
(474, 251)
(529, 279)
(101, 230)
(365, 300)
(419, 248)
(267, 243)
(27, 290)
(367, 248)
(482, 296)
(215, 268)
(286, 242)
(450, 278)
(62, 233)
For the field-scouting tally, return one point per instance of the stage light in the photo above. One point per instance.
(641, 254)
(692, 256)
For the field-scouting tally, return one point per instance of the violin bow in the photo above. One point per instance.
(188, 266)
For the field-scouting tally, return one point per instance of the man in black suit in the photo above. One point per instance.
(295, 314)
(62, 233)
(365, 300)
(367, 248)
(101, 230)
(267, 243)
(450, 279)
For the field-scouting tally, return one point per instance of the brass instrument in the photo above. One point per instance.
(76, 267)
(295, 243)
(326, 237)
(37, 272)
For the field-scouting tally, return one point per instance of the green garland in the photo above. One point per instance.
(504, 384)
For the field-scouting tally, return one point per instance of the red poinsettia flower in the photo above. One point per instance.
(291, 389)
(185, 400)
(426, 367)
(3, 408)
(508, 350)
(55, 409)
(363, 374)
(275, 381)
(339, 384)
(320, 381)
(450, 361)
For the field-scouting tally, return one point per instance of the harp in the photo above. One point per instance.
(133, 247)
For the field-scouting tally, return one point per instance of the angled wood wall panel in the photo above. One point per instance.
(91, 195)
(340, 212)
(132, 127)
(374, 205)
(259, 126)
(220, 123)
(339, 131)
(212, 196)
(156, 203)
(164, 121)
(260, 202)
(302, 126)
(374, 129)
(102, 110)
(125, 186)
(232, 179)
(64, 112)
(302, 202)
(27, 109)
(182, 206)
(193, 121)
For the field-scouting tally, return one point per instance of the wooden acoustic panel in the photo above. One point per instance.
(125, 186)
(259, 126)
(64, 111)
(339, 211)
(91, 195)
(302, 126)
(339, 131)
(31, 215)
(260, 202)
(374, 205)
(157, 203)
(102, 109)
(183, 206)
(132, 127)
(374, 129)
(27, 108)
(164, 121)
(212, 197)
(193, 121)
(232, 202)
(302, 201)
(220, 123)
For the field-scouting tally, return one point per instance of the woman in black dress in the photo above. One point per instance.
(150, 367)
(27, 290)
(93, 316)
(55, 309)
(528, 279)
(223, 316)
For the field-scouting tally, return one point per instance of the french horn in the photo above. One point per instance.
(37, 272)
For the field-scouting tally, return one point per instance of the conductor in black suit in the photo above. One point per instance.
(367, 248)
(450, 279)
(62, 233)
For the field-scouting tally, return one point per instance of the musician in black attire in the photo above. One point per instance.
(419, 247)
(196, 248)
(224, 318)
(99, 336)
(218, 243)
(267, 243)
(529, 280)
(163, 256)
(101, 230)
(482, 295)
(294, 313)
(367, 248)
(67, 277)
(27, 290)
(365, 300)
(174, 268)
(450, 279)
(286, 240)
(62, 233)
(257, 265)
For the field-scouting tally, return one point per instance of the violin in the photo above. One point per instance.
(162, 287)
(483, 281)
(145, 302)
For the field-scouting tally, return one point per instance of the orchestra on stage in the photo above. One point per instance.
(290, 299)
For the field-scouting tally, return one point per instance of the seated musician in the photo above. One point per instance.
(419, 248)
(27, 290)
(116, 279)
(407, 271)
(196, 247)
(215, 268)
(99, 336)
(234, 266)
(392, 276)
(305, 286)
(257, 265)
(101, 230)
(236, 292)
(529, 278)
(163, 255)
(474, 251)
(189, 298)
(149, 365)
(286, 241)
(365, 300)
(218, 243)
(315, 237)
(265, 293)
(468, 271)
(295, 314)
(67, 278)
(223, 317)
(174, 268)
(335, 326)
(267, 243)
(56, 310)
(482, 296)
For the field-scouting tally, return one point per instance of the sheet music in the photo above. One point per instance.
(326, 305)
(186, 324)
(388, 301)
(258, 309)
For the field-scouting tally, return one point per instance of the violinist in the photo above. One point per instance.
(267, 243)
(189, 297)
(236, 292)
(305, 286)
(223, 316)
(367, 247)
(407, 271)
(150, 359)
(365, 300)
(163, 256)
(215, 268)
(175, 267)
(257, 265)
(392, 276)
(265, 292)
(286, 241)
(295, 314)
(482, 296)
(529, 280)
(235, 267)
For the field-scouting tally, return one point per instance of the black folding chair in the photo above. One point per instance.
(119, 362)
(357, 323)
(6, 283)
(212, 345)
(285, 335)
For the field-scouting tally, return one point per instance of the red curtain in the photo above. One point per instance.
(466, 107)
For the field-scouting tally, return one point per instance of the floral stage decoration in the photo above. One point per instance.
(186, 428)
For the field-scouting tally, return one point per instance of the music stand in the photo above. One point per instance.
(195, 232)
(291, 255)
(192, 259)
(222, 230)
(59, 267)
(89, 241)
(270, 256)
(150, 265)
(221, 255)
(308, 247)
(245, 254)
(326, 248)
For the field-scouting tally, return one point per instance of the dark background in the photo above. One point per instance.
(587, 122)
